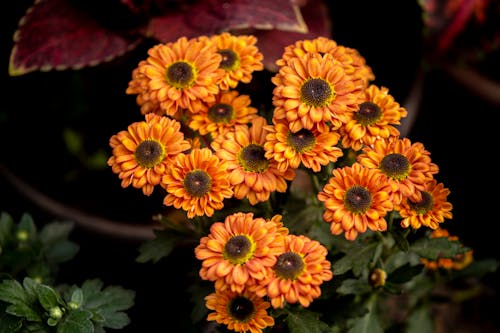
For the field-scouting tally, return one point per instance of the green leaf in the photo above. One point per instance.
(77, 321)
(478, 268)
(405, 273)
(157, 248)
(434, 248)
(420, 321)
(369, 323)
(9, 323)
(27, 224)
(21, 303)
(6, 226)
(55, 232)
(357, 260)
(400, 240)
(62, 251)
(77, 297)
(306, 321)
(354, 286)
(48, 297)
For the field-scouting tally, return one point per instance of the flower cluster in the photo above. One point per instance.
(329, 137)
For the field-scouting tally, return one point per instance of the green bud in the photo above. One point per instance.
(73, 305)
(56, 312)
(22, 235)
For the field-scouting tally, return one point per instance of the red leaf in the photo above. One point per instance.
(214, 16)
(272, 43)
(55, 35)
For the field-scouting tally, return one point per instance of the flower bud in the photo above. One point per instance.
(377, 277)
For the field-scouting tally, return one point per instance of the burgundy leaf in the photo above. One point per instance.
(272, 43)
(214, 16)
(55, 35)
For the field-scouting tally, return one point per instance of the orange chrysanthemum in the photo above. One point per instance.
(240, 58)
(177, 76)
(253, 175)
(239, 251)
(374, 119)
(314, 91)
(356, 198)
(228, 109)
(428, 212)
(298, 273)
(143, 152)
(408, 166)
(139, 86)
(240, 312)
(197, 182)
(310, 147)
(354, 64)
(460, 261)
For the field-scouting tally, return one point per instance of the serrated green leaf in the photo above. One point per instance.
(306, 322)
(77, 321)
(9, 323)
(48, 297)
(441, 247)
(6, 226)
(157, 248)
(354, 286)
(357, 260)
(420, 321)
(20, 302)
(369, 323)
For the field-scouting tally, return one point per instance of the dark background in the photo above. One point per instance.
(458, 127)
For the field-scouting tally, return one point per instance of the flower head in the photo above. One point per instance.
(314, 91)
(430, 211)
(240, 312)
(298, 273)
(310, 148)
(375, 118)
(179, 75)
(228, 109)
(240, 58)
(197, 182)
(356, 198)
(143, 152)
(408, 166)
(239, 251)
(253, 175)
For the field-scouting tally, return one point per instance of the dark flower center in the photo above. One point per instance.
(357, 199)
(301, 141)
(368, 114)
(180, 75)
(289, 265)
(316, 92)
(395, 166)
(149, 153)
(424, 205)
(239, 249)
(220, 113)
(230, 60)
(241, 308)
(252, 158)
(197, 183)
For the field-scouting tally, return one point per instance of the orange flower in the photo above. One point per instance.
(430, 211)
(228, 109)
(354, 64)
(239, 252)
(253, 175)
(356, 198)
(310, 147)
(143, 152)
(197, 182)
(298, 273)
(240, 312)
(139, 86)
(315, 91)
(374, 119)
(177, 76)
(407, 166)
(240, 58)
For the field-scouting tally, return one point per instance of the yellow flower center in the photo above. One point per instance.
(289, 265)
(180, 74)
(197, 183)
(357, 199)
(252, 158)
(301, 141)
(230, 60)
(423, 206)
(149, 153)
(241, 308)
(316, 92)
(239, 249)
(368, 114)
(221, 113)
(395, 166)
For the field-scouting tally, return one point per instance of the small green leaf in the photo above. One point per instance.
(400, 240)
(357, 259)
(20, 301)
(9, 323)
(62, 251)
(48, 297)
(405, 273)
(77, 297)
(441, 247)
(77, 321)
(306, 322)
(27, 224)
(157, 248)
(354, 286)
(369, 323)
